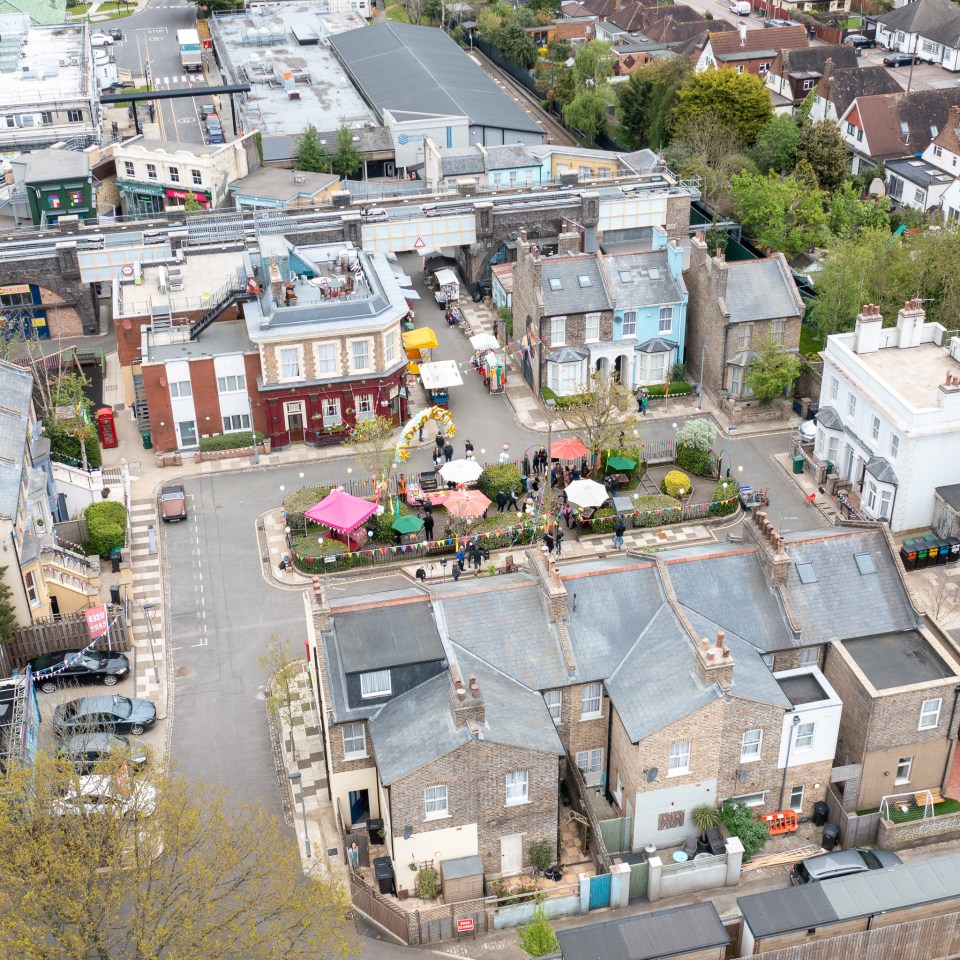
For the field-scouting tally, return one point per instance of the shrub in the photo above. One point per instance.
(739, 821)
(656, 511)
(383, 523)
(725, 498)
(66, 449)
(674, 482)
(427, 883)
(633, 453)
(296, 503)
(677, 388)
(693, 460)
(538, 938)
(541, 855)
(106, 526)
(604, 520)
(700, 433)
(499, 477)
(229, 441)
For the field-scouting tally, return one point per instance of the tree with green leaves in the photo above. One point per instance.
(849, 212)
(8, 615)
(373, 443)
(740, 822)
(739, 101)
(538, 938)
(190, 202)
(771, 371)
(346, 159)
(781, 213)
(284, 669)
(776, 145)
(310, 155)
(601, 413)
(555, 83)
(66, 412)
(592, 63)
(822, 146)
(705, 817)
(517, 44)
(645, 103)
(587, 112)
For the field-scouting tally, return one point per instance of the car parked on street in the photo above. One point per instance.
(54, 670)
(101, 40)
(115, 33)
(87, 751)
(900, 60)
(841, 863)
(114, 714)
(777, 23)
(116, 796)
(173, 503)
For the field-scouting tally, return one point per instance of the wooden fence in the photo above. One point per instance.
(381, 910)
(440, 923)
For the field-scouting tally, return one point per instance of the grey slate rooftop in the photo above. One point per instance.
(642, 279)
(16, 389)
(898, 659)
(572, 285)
(379, 637)
(761, 290)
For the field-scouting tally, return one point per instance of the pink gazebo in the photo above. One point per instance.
(341, 512)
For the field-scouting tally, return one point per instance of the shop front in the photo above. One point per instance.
(141, 199)
(179, 196)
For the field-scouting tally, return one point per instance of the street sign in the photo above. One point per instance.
(419, 245)
(465, 925)
(98, 621)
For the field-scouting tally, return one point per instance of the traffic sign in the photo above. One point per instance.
(419, 245)
(465, 925)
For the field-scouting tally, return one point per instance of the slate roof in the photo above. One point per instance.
(812, 59)
(609, 613)
(507, 627)
(950, 494)
(649, 280)
(664, 933)
(687, 38)
(417, 727)
(640, 161)
(882, 470)
(948, 33)
(657, 683)
(378, 637)
(844, 603)
(371, 140)
(458, 161)
(762, 289)
(568, 355)
(920, 16)
(756, 41)
(828, 418)
(949, 137)
(629, 17)
(600, 8)
(656, 345)
(16, 390)
(925, 112)
(919, 172)
(572, 296)
(842, 87)
(678, 13)
(400, 66)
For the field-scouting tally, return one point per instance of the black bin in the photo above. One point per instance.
(383, 871)
(921, 553)
(820, 813)
(830, 834)
(375, 828)
(115, 595)
(944, 549)
(908, 557)
(954, 555)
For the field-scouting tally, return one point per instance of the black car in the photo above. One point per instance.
(86, 750)
(115, 33)
(114, 714)
(900, 60)
(859, 40)
(78, 666)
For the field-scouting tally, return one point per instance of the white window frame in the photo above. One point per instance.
(368, 356)
(181, 389)
(666, 314)
(629, 328)
(751, 743)
(197, 177)
(796, 804)
(679, 759)
(232, 383)
(33, 592)
(554, 701)
(236, 422)
(592, 329)
(810, 655)
(332, 416)
(852, 405)
(151, 171)
(174, 174)
(904, 769)
(805, 735)
(290, 363)
(894, 445)
(375, 683)
(129, 170)
(327, 359)
(435, 802)
(364, 408)
(558, 331)
(591, 701)
(590, 761)
(875, 427)
(834, 388)
(928, 708)
(750, 799)
(390, 348)
(518, 788)
(354, 733)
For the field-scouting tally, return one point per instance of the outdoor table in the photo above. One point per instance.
(620, 478)
(679, 856)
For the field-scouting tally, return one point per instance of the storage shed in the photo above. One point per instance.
(461, 879)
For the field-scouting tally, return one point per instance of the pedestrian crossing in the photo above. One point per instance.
(173, 81)
(148, 624)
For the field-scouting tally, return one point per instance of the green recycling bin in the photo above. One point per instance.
(147, 441)
(827, 467)
(798, 464)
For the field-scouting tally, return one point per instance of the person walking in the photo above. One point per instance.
(420, 434)
(565, 513)
(559, 540)
(512, 499)
(548, 542)
(476, 557)
(461, 557)
(501, 501)
(421, 575)
(618, 533)
(439, 441)
(428, 526)
(644, 400)
(448, 451)
(468, 450)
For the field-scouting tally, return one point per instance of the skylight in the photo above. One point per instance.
(654, 273)
(806, 573)
(865, 563)
(626, 276)
(584, 280)
(555, 283)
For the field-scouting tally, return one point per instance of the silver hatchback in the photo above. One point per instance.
(841, 863)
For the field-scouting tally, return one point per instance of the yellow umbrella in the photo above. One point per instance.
(423, 338)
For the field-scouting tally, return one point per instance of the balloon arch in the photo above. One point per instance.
(440, 415)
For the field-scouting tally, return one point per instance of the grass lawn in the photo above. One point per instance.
(810, 343)
(395, 12)
(123, 104)
(916, 813)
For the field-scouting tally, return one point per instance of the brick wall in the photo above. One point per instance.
(475, 777)
(270, 354)
(576, 734)
(158, 404)
(706, 323)
(897, 836)
(206, 396)
(251, 364)
(337, 763)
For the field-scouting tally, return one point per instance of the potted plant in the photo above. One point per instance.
(705, 817)
(105, 492)
(541, 856)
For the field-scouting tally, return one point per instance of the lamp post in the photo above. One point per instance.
(148, 609)
(297, 778)
(253, 431)
(703, 357)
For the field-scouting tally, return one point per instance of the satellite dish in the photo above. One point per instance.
(742, 776)
(407, 833)
(652, 774)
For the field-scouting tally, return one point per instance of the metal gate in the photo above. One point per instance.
(600, 891)
(215, 227)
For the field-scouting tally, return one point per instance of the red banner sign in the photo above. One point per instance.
(465, 925)
(98, 622)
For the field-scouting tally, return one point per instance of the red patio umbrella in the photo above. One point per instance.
(568, 448)
(467, 503)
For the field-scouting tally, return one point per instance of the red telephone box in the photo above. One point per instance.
(107, 428)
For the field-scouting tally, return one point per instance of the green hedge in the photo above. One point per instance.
(725, 500)
(66, 449)
(229, 441)
(296, 503)
(499, 477)
(678, 388)
(106, 526)
(698, 462)
(633, 453)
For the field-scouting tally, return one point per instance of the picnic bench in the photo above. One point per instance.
(921, 796)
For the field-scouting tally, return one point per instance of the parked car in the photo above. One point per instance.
(808, 431)
(79, 666)
(777, 23)
(900, 60)
(115, 33)
(113, 714)
(173, 503)
(87, 751)
(740, 7)
(103, 794)
(859, 40)
(841, 863)
(207, 110)
(101, 40)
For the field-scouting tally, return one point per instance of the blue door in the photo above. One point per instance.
(600, 891)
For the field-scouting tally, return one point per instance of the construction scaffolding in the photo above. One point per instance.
(19, 720)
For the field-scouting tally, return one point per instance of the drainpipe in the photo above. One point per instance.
(786, 765)
(608, 793)
(951, 740)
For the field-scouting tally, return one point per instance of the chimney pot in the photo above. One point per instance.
(474, 689)
(726, 652)
(720, 636)
(704, 644)
(461, 693)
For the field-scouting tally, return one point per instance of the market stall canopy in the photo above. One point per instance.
(410, 294)
(621, 463)
(484, 341)
(587, 493)
(440, 374)
(467, 503)
(407, 523)
(568, 448)
(341, 511)
(423, 338)
(461, 471)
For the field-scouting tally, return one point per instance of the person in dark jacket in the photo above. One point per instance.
(448, 451)
(428, 526)
(501, 501)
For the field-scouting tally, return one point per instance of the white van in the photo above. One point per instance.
(740, 7)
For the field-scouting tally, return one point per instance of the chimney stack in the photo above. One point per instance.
(910, 320)
(770, 545)
(868, 329)
(466, 711)
(714, 663)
